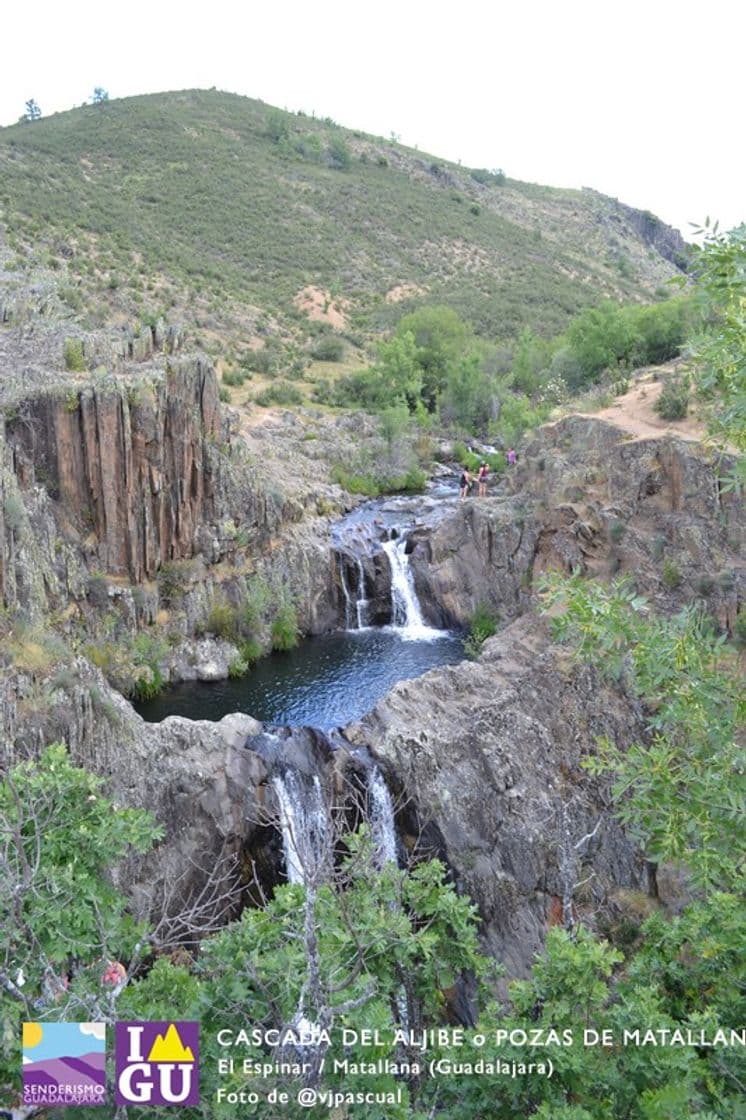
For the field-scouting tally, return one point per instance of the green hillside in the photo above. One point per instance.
(220, 210)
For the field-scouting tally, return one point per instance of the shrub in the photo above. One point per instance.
(356, 482)
(410, 482)
(13, 512)
(256, 604)
(224, 395)
(222, 621)
(339, 154)
(283, 393)
(673, 403)
(469, 459)
(251, 651)
(173, 578)
(483, 625)
(235, 377)
(262, 361)
(328, 349)
(482, 175)
(672, 577)
(74, 356)
(148, 684)
(237, 667)
(284, 630)
(617, 531)
(98, 589)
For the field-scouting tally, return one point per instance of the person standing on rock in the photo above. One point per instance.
(484, 470)
(464, 484)
(512, 458)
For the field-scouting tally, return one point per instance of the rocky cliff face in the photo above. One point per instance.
(114, 477)
(587, 498)
(485, 757)
(489, 754)
(194, 776)
(130, 464)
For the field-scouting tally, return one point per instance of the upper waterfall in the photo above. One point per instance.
(406, 613)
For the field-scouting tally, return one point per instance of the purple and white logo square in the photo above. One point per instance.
(157, 1063)
(64, 1064)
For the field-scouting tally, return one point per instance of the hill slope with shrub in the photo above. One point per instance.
(248, 222)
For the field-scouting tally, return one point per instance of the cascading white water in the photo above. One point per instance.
(356, 604)
(381, 812)
(361, 606)
(346, 590)
(406, 616)
(304, 824)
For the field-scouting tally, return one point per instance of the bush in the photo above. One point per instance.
(261, 361)
(251, 651)
(173, 578)
(339, 154)
(483, 625)
(617, 531)
(472, 461)
(482, 175)
(410, 482)
(673, 403)
(672, 577)
(13, 512)
(237, 667)
(74, 356)
(223, 620)
(283, 393)
(328, 349)
(98, 589)
(235, 377)
(356, 482)
(284, 630)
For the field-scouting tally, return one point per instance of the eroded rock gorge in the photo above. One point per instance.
(119, 478)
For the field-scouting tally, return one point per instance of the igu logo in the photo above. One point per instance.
(157, 1063)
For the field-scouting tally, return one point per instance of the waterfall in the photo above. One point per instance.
(356, 604)
(346, 590)
(406, 616)
(303, 820)
(381, 813)
(361, 606)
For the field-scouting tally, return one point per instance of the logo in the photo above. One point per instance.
(157, 1063)
(64, 1063)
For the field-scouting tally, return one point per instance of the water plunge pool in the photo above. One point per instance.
(324, 682)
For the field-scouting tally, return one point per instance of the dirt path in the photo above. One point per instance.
(635, 413)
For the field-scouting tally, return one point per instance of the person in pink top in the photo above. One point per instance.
(512, 458)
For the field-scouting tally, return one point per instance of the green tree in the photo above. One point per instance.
(682, 791)
(441, 338)
(532, 356)
(720, 352)
(600, 338)
(59, 837)
(100, 96)
(33, 112)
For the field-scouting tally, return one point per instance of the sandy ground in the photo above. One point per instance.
(634, 412)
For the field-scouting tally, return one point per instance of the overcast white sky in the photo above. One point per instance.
(643, 101)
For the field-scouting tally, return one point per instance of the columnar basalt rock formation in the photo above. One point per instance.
(128, 463)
